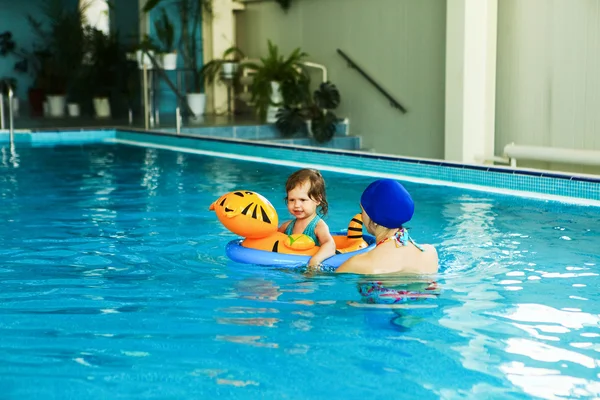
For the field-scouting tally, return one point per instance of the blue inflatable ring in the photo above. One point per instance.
(238, 253)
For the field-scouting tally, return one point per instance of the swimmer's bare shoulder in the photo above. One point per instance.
(431, 258)
(358, 264)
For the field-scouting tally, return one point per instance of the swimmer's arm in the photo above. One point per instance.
(284, 226)
(327, 245)
(358, 264)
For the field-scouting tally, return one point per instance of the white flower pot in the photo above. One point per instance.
(143, 59)
(228, 70)
(197, 102)
(73, 109)
(56, 106)
(101, 107)
(169, 61)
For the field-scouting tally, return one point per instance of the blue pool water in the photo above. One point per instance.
(115, 285)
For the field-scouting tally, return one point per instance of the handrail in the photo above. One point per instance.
(318, 66)
(1, 109)
(551, 154)
(10, 111)
(352, 64)
(10, 115)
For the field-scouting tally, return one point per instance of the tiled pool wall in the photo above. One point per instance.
(340, 140)
(37, 138)
(538, 182)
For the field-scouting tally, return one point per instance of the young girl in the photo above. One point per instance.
(305, 193)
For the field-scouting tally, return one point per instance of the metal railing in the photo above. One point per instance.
(352, 64)
(10, 112)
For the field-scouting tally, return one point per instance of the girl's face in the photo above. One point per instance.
(299, 204)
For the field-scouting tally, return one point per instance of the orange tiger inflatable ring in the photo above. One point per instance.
(252, 216)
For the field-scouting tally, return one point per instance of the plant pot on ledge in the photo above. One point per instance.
(101, 106)
(169, 61)
(56, 105)
(73, 110)
(197, 102)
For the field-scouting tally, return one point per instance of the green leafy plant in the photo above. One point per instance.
(62, 38)
(27, 61)
(165, 32)
(285, 4)
(287, 71)
(190, 44)
(7, 43)
(106, 56)
(213, 68)
(317, 109)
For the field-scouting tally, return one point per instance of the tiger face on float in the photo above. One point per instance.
(246, 214)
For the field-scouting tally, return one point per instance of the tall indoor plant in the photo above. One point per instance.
(227, 67)
(61, 32)
(165, 33)
(107, 58)
(277, 81)
(190, 14)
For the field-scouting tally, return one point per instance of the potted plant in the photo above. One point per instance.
(27, 62)
(190, 14)
(62, 35)
(106, 59)
(165, 33)
(227, 67)
(144, 51)
(276, 81)
(314, 114)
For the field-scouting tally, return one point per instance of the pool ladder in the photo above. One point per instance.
(10, 111)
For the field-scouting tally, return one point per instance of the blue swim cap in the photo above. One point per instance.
(387, 203)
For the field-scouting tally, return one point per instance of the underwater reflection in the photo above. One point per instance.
(396, 290)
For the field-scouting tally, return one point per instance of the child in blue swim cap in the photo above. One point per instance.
(386, 207)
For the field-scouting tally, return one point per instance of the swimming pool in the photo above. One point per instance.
(115, 285)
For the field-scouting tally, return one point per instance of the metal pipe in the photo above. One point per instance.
(156, 117)
(2, 109)
(178, 120)
(10, 115)
(318, 66)
(551, 154)
(130, 117)
(151, 96)
(146, 114)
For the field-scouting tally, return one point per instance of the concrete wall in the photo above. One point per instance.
(400, 43)
(548, 85)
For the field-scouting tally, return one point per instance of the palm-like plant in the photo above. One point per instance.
(63, 39)
(288, 72)
(165, 31)
(291, 119)
(211, 70)
(190, 17)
